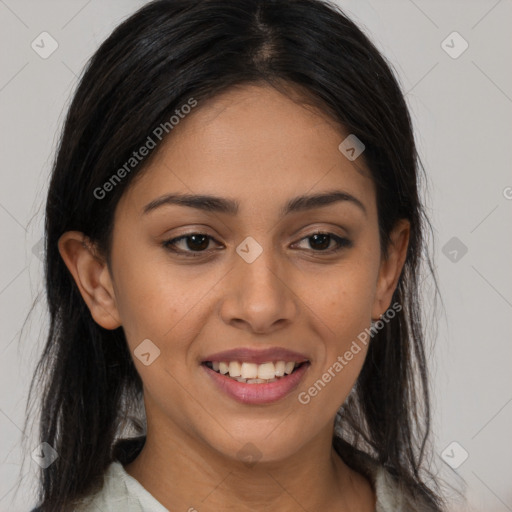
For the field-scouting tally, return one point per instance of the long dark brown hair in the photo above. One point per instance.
(152, 64)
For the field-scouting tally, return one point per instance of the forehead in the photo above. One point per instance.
(254, 144)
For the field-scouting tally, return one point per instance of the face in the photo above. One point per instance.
(255, 282)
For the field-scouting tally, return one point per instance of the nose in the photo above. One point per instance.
(259, 297)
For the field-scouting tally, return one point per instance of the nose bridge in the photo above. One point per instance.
(261, 272)
(259, 295)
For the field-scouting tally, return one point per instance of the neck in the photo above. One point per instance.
(184, 474)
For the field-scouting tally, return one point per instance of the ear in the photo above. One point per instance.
(92, 276)
(391, 267)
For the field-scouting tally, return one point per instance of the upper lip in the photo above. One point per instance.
(258, 356)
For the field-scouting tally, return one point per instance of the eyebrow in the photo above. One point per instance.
(217, 204)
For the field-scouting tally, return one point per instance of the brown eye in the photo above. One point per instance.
(194, 243)
(320, 242)
(197, 242)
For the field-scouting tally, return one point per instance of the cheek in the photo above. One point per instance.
(149, 298)
(342, 303)
(344, 311)
(161, 302)
(343, 297)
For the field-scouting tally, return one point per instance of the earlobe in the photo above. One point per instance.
(92, 276)
(391, 267)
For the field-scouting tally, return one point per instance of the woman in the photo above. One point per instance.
(233, 236)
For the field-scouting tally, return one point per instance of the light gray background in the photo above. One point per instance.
(462, 111)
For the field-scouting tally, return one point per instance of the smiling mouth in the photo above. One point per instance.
(252, 373)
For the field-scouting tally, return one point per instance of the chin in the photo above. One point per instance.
(253, 444)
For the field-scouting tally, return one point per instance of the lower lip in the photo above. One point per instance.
(258, 393)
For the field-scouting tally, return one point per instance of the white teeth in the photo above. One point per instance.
(234, 369)
(288, 368)
(266, 371)
(279, 366)
(249, 370)
(253, 373)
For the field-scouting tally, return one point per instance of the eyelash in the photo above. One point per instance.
(342, 243)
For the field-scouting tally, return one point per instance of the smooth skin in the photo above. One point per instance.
(260, 148)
